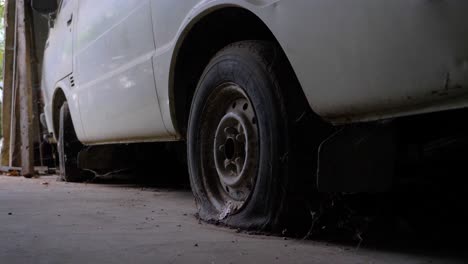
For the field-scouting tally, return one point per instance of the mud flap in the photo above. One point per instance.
(358, 158)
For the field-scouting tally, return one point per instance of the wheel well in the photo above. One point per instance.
(204, 39)
(57, 102)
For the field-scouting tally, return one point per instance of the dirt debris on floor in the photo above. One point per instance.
(107, 223)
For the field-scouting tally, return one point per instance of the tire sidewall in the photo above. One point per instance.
(64, 112)
(68, 149)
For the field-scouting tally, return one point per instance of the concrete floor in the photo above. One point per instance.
(45, 221)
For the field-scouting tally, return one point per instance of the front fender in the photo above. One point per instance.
(169, 53)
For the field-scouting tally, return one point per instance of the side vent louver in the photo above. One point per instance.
(72, 81)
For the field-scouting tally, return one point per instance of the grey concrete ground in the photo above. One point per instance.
(45, 221)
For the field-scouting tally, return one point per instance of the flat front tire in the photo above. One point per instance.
(239, 139)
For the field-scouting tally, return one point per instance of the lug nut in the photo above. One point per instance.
(230, 131)
(227, 163)
(240, 138)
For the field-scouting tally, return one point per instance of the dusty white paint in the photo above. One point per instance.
(356, 60)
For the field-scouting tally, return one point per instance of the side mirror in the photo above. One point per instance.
(45, 7)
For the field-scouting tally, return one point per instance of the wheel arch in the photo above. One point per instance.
(230, 24)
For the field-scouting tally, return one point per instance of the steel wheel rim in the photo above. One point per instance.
(230, 149)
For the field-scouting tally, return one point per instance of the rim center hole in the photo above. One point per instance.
(229, 148)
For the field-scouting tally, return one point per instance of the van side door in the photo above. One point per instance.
(114, 71)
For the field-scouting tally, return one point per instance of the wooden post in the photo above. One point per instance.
(33, 24)
(8, 75)
(25, 90)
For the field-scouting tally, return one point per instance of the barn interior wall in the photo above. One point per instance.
(39, 29)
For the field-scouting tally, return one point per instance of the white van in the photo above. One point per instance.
(247, 83)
